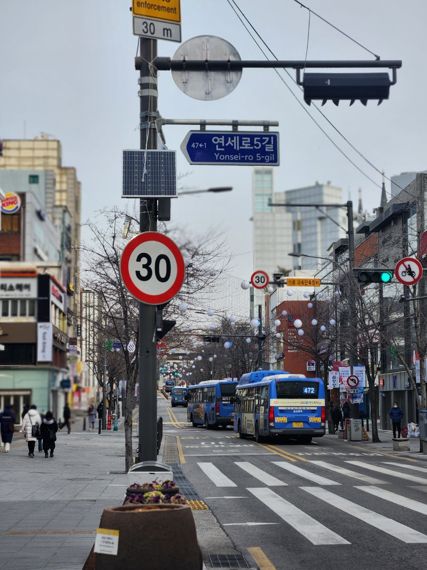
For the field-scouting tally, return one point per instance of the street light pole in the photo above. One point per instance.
(147, 436)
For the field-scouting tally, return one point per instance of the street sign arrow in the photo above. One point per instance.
(239, 148)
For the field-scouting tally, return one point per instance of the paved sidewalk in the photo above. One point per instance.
(50, 508)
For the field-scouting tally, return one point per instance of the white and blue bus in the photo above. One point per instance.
(210, 403)
(283, 404)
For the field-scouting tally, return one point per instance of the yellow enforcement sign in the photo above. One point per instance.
(169, 10)
(301, 282)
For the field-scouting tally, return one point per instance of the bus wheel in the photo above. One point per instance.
(208, 425)
(258, 438)
(193, 423)
(305, 439)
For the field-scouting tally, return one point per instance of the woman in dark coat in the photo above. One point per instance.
(7, 426)
(48, 430)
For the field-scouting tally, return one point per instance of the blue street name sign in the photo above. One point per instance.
(230, 147)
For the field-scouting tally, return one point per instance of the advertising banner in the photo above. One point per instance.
(44, 342)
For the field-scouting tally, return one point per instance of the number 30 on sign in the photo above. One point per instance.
(152, 268)
(259, 279)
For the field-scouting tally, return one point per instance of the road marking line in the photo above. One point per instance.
(348, 472)
(227, 497)
(279, 452)
(216, 476)
(259, 474)
(310, 528)
(380, 522)
(389, 472)
(305, 474)
(412, 467)
(396, 499)
(180, 450)
(261, 558)
(250, 524)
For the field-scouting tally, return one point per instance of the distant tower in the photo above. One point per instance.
(383, 202)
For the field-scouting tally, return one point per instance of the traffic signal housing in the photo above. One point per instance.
(367, 276)
(337, 87)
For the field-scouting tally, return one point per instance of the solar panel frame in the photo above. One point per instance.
(149, 174)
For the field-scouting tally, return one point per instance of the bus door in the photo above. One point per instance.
(224, 406)
(264, 403)
(248, 412)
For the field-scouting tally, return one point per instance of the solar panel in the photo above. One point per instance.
(149, 174)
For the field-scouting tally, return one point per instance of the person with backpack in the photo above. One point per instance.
(31, 428)
(7, 426)
(48, 430)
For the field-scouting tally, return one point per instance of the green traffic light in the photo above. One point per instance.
(386, 277)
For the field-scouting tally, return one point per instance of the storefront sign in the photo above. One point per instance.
(18, 288)
(44, 342)
(57, 297)
(11, 203)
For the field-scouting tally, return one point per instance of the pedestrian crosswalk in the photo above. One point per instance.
(344, 489)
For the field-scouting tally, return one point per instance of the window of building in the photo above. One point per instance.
(18, 307)
(10, 223)
(4, 308)
(33, 179)
(261, 203)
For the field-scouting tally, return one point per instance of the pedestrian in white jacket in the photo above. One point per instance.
(31, 418)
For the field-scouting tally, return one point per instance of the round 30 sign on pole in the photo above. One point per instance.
(152, 268)
(259, 279)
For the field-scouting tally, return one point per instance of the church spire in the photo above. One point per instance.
(360, 204)
(383, 203)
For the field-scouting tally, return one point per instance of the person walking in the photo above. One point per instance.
(48, 431)
(67, 418)
(91, 413)
(336, 416)
(396, 415)
(31, 426)
(7, 426)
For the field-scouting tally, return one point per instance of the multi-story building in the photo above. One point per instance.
(278, 231)
(40, 236)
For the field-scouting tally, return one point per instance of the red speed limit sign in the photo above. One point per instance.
(152, 268)
(259, 279)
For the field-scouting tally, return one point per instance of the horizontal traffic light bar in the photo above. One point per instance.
(167, 64)
(366, 276)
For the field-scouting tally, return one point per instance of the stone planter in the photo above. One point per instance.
(156, 537)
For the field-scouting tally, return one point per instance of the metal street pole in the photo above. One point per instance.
(148, 222)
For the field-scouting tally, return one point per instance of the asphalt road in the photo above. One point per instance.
(330, 504)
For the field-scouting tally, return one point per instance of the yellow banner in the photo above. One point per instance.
(169, 10)
(297, 403)
(301, 282)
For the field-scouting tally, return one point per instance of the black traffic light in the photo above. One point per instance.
(367, 276)
(163, 326)
(346, 86)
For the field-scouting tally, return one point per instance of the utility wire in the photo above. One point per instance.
(235, 7)
(331, 140)
(337, 29)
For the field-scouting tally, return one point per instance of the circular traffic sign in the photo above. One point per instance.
(352, 381)
(408, 270)
(152, 268)
(259, 279)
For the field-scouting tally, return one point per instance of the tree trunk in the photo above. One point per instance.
(373, 398)
(128, 417)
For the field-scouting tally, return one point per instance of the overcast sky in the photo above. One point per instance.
(67, 69)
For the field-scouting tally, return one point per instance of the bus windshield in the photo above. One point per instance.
(297, 389)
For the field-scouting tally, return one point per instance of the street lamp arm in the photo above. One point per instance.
(215, 190)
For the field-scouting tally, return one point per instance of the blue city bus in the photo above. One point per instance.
(179, 396)
(210, 403)
(283, 404)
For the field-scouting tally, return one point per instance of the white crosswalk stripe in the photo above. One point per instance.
(380, 522)
(386, 471)
(259, 474)
(396, 499)
(412, 467)
(312, 530)
(304, 473)
(348, 472)
(216, 476)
